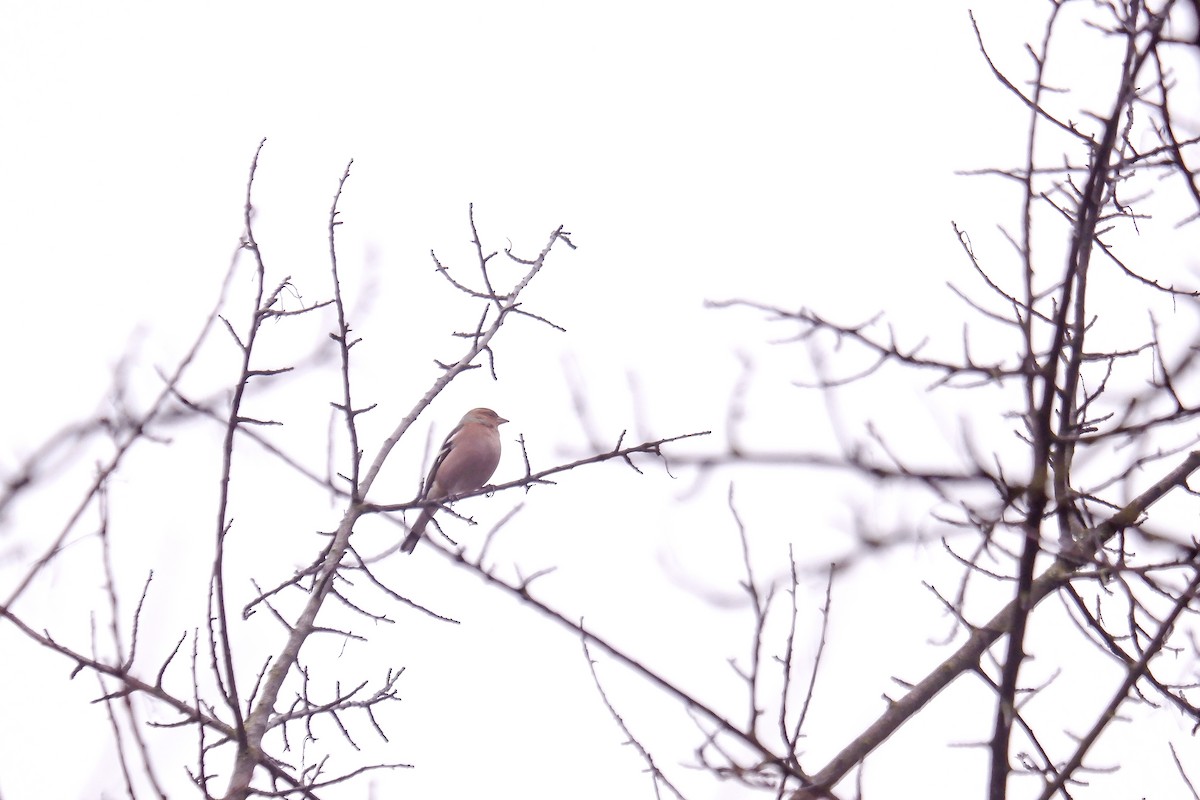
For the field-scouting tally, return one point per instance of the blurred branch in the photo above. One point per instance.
(127, 436)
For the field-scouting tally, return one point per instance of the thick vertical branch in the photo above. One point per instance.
(135, 431)
(1050, 453)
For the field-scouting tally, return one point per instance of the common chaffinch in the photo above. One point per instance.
(467, 459)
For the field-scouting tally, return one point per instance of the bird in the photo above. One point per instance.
(467, 459)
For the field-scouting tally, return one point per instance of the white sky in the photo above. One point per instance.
(793, 153)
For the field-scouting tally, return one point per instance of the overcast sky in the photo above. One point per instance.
(793, 153)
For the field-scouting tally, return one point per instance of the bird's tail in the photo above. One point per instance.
(410, 542)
